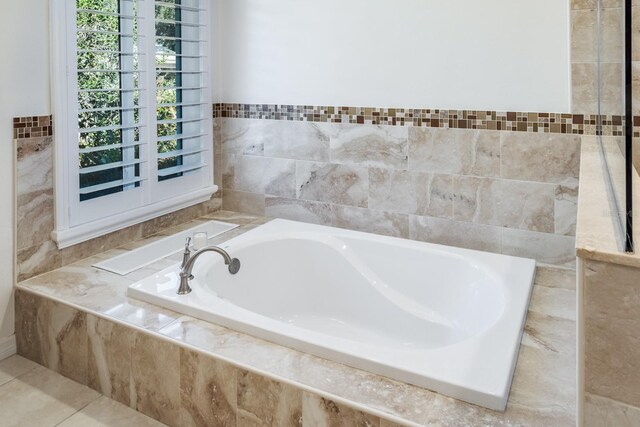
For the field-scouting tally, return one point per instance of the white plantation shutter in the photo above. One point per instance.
(133, 106)
(183, 116)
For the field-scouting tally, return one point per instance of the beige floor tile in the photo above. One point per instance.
(105, 412)
(41, 398)
(14, 366)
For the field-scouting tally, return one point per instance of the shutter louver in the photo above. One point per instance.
(181, 124)
(108, 97)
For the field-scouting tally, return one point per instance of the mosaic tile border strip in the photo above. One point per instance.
(32, 127)
(561, 123)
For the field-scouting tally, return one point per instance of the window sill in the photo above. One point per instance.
(82, 233)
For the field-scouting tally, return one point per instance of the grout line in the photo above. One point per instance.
(82, 408)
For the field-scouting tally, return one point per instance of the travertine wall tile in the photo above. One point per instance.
(240, 201)
(417, 193)
(540, 157)
(265, 402)
(600, 411)
(543, 247)
(318, 411)
(208, 391)
(109, 357)
(513, 204)
(371, 221)
(241, 137)
(483, 180)
(53, 335)
(584, 89)
(363, 145)
(297, 140)
(611, 317)
(332, 183)
(298, 210)
(155, 378)
(455, 151)
(255, 174)
(458, 234)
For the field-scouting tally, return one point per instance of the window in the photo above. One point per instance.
(133, 112)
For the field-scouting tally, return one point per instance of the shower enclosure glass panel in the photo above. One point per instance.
(614, 104)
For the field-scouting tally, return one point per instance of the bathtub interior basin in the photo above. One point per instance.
(442, 318)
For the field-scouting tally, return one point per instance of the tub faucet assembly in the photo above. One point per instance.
(188, 261)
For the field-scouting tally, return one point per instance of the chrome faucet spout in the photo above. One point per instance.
(187, 267)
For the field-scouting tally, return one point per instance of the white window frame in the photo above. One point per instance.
(73, 223)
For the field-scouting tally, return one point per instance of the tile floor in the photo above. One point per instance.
(34, 396)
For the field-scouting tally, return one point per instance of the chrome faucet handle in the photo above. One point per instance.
(186, 255)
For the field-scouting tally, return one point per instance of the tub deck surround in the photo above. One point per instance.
(295, 382)
(443, 318)
(511, 192)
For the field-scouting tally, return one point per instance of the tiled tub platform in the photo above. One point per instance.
(182, 371)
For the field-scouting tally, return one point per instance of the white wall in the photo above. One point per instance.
(24, 91)
(457, 54)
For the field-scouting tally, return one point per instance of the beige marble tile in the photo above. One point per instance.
(34, 165)
(34, 218)
(611, 317)
(371, 221)
(261, 175)
(548, 333)
(241, 136)
(239, 201)
(368, 145)
(600, 411)
(37, 259)
(332, 183)
(458, 234)
(264, 402)
(455, 151)
(168, 221)
(566, 208)
(556, 302)
(105, 412)
(52, 334)
(505, 203)
(554, 391)
(544, 248)
(208, 390)
(100, 244)
(540, 157)
(14, 366)
(226, 343)
(234, 217)
(297, 140)
(320, 412)
(109, 368)
(298, 210)
(42, 397)
(155, 378)
(408, 192)
(553, 277)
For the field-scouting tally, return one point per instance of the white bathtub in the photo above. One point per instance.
(442, 318)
